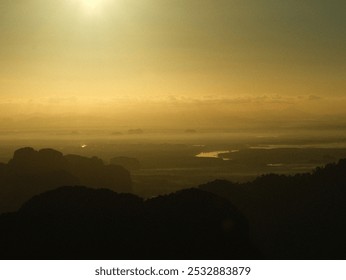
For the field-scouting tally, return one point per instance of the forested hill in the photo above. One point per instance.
(299, 216)
(273, 217)
(85, 223)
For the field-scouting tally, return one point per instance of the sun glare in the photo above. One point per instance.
(92, 6)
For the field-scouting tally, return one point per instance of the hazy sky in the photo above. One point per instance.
(225, 55)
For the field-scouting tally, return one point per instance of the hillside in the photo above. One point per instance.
(31, 172)
(295, 217)
(84, 223)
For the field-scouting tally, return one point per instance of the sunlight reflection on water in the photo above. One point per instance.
(215, 154)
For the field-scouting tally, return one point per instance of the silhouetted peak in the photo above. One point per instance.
(80, 160)
(79, 200)
(127, 162)
(79, 222)
(27, 154)
(50, 153)
(269, 178)
(193, 204)
(219, 183)
(31, 172)
(191, 198)
(29, 160)
(217, 186)
(24, 154)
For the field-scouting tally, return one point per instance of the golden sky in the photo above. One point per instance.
(231, 56)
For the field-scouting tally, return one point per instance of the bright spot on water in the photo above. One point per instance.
(83, 146)
(214, 154)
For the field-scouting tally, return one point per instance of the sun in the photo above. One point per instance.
(93, 6)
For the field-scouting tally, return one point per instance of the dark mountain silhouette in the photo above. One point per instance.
(293, 217)
(31, 172)
(194, 224)
(286, 217)
(126, 162)
(84, 223)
